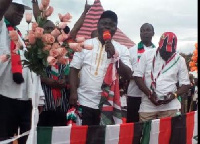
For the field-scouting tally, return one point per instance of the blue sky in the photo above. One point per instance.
(178, 16)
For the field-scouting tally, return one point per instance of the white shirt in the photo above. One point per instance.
(133, 90)
(8, 88)
(165, 83)
(93, 64)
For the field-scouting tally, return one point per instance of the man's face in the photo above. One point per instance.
(165, 54)
(146, 33)
(106, 24)
(14, 14)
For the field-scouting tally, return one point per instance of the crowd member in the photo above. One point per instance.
(194, 106)
(190, 92)
(17, 84)
(56, 89)
(134, 94)
(56, 84)
(194, 100)
(92, 65)
(161, 69)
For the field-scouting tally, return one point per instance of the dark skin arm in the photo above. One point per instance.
(4, 5)
(80, 21)
(141, 85)
(54, 83)
(151, 95)
(73, 81)
(36, 10)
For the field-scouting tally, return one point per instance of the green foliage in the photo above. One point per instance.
(41, 21)
(36, 57)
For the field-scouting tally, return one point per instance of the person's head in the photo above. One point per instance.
(107, 21)
(48, 26)
(15, 12)
(146, 33)
(167, 45)
(94, 33)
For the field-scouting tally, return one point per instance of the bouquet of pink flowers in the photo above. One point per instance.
(44, 49)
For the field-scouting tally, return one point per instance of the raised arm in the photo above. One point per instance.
(36, 10)
(80, 21)
(4, 4)
(74, 82)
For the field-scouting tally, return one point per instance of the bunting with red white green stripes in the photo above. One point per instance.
(176, 130)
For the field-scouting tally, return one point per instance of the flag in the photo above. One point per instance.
(176, 130)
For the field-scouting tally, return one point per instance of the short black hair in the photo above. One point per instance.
(66, 29)
(148, 24)
(109, 14)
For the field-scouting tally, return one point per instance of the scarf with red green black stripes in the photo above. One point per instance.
(16, 65)
(56, 92)
(110, 105)
(141, 49)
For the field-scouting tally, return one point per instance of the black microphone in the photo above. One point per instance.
(107, 38)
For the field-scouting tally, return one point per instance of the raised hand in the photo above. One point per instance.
(87, 6)
(109, 48)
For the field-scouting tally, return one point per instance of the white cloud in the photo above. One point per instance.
(178, 16)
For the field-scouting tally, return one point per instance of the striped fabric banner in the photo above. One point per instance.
(195, 131)
(175, 130)
(90, 24)
(112, 134)
(165, 130)
(96, 135)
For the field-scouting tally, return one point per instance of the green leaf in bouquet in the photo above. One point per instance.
(39, 44)
(41, 21)
(46, 53)
(67, 69)
(44, 62)
(26, 54)
(40, 53)
(70, 50)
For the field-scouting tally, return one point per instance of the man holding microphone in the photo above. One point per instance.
(93, 65)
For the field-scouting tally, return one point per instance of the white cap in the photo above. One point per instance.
(22, 2)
